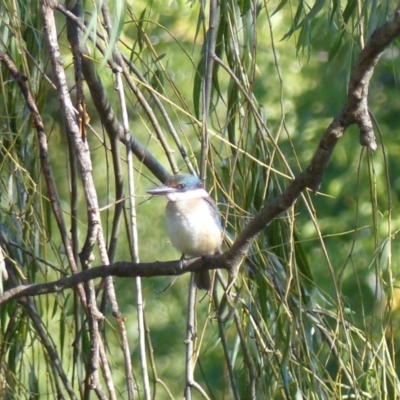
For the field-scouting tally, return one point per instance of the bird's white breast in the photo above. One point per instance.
(192, 228)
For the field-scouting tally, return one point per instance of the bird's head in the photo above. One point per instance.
(180, 187)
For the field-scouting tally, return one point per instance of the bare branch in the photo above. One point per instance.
(355, 111)
(120, 269)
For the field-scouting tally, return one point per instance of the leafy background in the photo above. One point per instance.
(335, 253)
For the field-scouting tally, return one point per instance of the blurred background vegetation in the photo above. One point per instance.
(320, 314)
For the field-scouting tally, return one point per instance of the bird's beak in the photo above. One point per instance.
(161, 190)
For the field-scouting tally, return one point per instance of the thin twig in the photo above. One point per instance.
(247, 356)
(116, 312)
(156, 378)
(224, 342)
(92, 380)
(73, 179)
(209, 56)
(190, 338)
(125, 343)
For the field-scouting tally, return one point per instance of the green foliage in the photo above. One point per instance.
(314, 311)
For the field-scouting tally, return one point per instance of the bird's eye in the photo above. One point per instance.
(181, 186)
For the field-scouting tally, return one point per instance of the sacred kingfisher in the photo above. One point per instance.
(193, 222)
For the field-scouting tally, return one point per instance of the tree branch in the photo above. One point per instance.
(122, 269)
(355, 111)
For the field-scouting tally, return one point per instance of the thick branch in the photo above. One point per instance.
(120, 269)
(355, 111)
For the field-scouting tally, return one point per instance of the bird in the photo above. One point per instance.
(192, 220)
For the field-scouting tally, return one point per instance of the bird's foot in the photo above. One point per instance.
(181, 261)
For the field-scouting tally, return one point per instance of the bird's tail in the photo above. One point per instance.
(202, 280)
